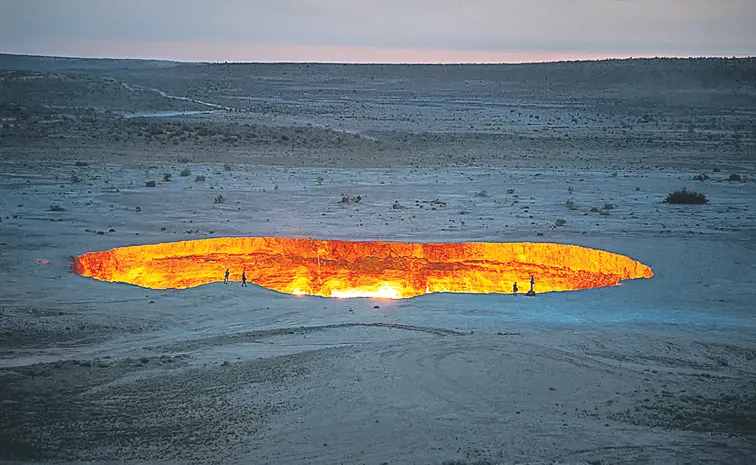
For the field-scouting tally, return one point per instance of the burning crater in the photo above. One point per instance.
(333, 268)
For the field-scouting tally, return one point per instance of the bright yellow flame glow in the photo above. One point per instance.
(344, 269)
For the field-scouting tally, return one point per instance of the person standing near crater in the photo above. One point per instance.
(514, 289)
(225, 277)
(244, 278)
(532, 283)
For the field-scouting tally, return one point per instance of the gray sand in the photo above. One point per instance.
(654, 371)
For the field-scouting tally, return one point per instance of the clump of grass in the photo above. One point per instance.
(609, 206)
(167, 177)
(57, 208)
(735, 178)
(199, 178)
(570, 204)
(595, 210)
(481, 193)
(220, 199)
(75, 179)
(227, 167)
(560, 222)
(150, 184)
(185, 172)
(686, 197)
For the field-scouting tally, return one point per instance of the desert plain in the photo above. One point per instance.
(97, 154)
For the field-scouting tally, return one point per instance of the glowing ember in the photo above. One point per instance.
(392, 270)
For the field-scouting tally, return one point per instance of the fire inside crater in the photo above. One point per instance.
(335, 268)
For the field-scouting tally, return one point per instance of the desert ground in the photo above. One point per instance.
(659, 370)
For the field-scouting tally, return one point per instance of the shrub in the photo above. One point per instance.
(347, 199)
(227, 167)
(609, 206)
(686, 197)
(510, 191)
(220, 199)
(481, 193)
(560, 222)
(571, 204)
(701, 177)
(594, 210)
(167, 177)
(199, 178)
(75, 179)
(57, 208)
(735, 178)
(185, 172)
(150, 184)
(716, 170)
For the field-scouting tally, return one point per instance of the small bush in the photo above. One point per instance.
(320, 180)
(199, 178)
(227, 167)
(686, 197)
(185, 172)
(481, 193)
(75, 179)
(220, 199)
(347, 199)
(510, 191)
(150, 184)
(57, 208)
(571, 204)
(701, 177)
(167, 177)
(716, 170)
(609, 206)
(560, 222)
(595, 210)
(735, 178)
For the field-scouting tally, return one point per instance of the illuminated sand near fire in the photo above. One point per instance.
(333, 268)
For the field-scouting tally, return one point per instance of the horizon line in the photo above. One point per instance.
(420, 63)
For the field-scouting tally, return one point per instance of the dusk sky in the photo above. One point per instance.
(437, 31)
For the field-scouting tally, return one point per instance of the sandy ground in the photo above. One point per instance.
(654, 371)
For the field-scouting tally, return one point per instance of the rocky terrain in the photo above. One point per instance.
(96, 154)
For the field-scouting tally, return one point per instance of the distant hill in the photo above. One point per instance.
(9, 62)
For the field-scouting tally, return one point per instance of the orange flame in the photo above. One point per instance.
(333, 268)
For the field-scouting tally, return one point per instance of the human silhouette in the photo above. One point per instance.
(225, 278)
(514, 289)
(244, 278)
(531, 292)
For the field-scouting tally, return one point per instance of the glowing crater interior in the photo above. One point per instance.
(333, 268)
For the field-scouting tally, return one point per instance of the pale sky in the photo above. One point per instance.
(436, 31)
